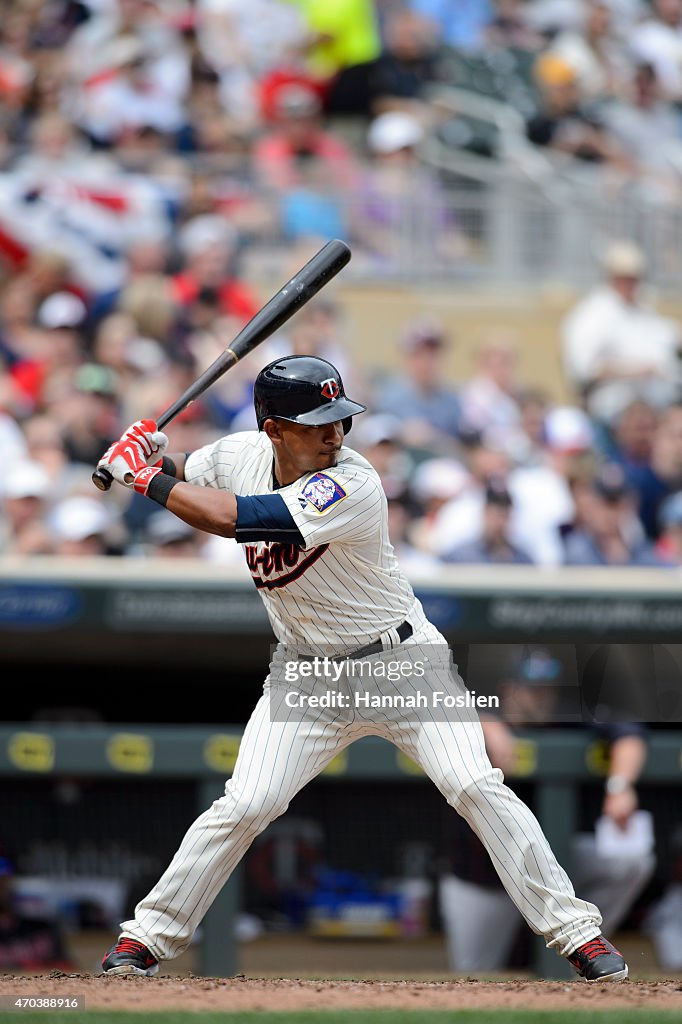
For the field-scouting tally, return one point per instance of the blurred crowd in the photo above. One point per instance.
(148, 149)
(488, 470)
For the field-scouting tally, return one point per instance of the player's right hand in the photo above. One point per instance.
(152, 441)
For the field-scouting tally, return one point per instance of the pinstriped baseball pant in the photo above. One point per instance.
(278, 757)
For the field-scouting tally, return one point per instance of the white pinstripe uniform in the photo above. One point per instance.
(342, 591)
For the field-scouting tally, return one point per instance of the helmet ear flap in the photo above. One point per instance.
(347, 424)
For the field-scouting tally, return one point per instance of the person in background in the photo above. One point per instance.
(611, 532)
(435, 483)
(297, 136)
(13, 444)
(663, 920)
(648, 128)
(27, 944)
(615, 346)
(379, 437)
(119, 349)
(565, 126)
(541, 491)
(89, 413)
(55, 349)
(208, 246)
(130, 92)
(147, 252)
(480, 922)
(494, 545)
(653, 480)
(630, 440)
(668, 547)
(341, 35)
(82, 527)
(655, 39)
(312, 211)
(420, 396)
(320, 329)
(166, 536)
(457, 520)
(398, 77)
(403, 210)
(45, 445)
(464, 26)
(525, 443)
(595, 52)
(400, 521)
(511, 29)
(24, 503)
(239, 50)
(489, 398)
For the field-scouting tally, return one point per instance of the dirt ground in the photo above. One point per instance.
(193, 994)
(284, 972)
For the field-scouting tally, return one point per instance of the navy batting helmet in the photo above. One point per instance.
(302, 389)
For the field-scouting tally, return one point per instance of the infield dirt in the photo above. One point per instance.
(194, 994)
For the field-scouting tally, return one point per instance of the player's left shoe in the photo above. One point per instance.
(129, 956)
(599, 960)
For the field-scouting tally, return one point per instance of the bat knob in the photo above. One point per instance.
(102, 479)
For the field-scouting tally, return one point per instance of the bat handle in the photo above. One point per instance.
(102, 479)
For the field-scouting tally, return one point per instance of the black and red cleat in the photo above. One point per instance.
(129, 956)
(598, 960)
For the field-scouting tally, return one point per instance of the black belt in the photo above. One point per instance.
(404, 631)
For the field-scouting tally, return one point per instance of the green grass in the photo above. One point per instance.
(355, 1017)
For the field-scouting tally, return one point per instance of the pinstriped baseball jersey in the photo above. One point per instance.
(345, 587)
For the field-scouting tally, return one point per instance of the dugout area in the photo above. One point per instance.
(97, 814)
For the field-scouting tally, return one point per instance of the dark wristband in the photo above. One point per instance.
(168, 466)
(160, 487)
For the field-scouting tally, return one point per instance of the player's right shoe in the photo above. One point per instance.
(598, 960)
(129, 956)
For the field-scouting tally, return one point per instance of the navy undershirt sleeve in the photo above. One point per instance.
(613, 731)
(265, 517)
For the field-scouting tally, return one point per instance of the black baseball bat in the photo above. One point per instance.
(321, 268)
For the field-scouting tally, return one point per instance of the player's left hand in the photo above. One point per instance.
(141, 445)
(126, 462)
(124, 459)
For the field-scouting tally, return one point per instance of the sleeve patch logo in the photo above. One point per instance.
(322, 492)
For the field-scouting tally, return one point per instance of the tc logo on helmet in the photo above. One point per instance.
(330, 388)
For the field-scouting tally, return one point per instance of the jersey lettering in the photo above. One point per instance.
(276, 557)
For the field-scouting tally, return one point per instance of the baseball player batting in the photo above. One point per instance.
(311, 515)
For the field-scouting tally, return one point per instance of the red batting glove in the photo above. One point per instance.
(124, 459)
(151, 440)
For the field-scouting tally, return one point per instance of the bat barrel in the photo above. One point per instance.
(316, 273)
